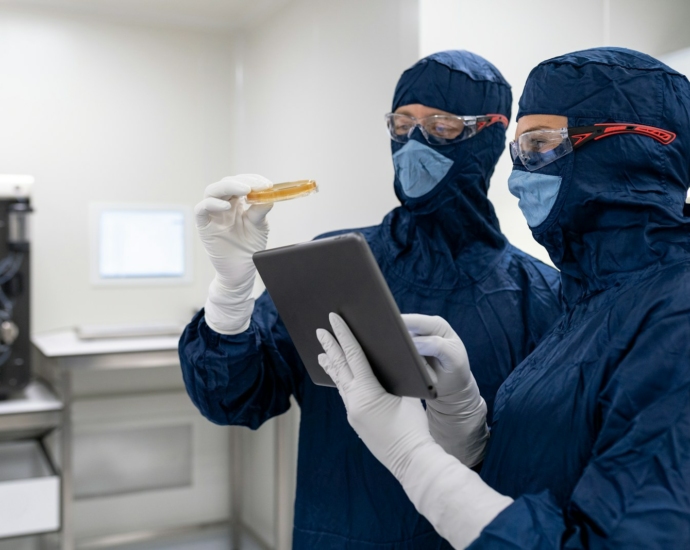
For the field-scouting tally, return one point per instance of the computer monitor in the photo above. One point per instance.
(137, 244)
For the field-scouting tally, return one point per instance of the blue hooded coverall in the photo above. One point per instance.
(591, 433)
(441, 254)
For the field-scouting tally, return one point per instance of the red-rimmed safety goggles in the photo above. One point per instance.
(440, 129)
(538, 148)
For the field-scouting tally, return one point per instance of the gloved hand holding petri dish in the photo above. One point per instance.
(283, 192)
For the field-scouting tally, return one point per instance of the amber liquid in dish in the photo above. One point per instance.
(283, 192)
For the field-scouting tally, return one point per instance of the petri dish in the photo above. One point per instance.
(283, 192)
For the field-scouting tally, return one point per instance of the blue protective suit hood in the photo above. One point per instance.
(455, 218)
(591, 432)
(620, 206)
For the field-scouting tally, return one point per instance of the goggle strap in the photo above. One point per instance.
(487, 120)
(581, 135)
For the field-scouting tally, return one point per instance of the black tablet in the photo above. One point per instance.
(307, 281)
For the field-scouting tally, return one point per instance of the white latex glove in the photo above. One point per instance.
(457, 417)
(451, 496)
(404, 423)
(231, 233)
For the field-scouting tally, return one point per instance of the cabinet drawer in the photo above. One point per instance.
(29, 490)
(144, 462)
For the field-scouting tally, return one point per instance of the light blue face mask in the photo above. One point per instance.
(419, 168)
(537, 193)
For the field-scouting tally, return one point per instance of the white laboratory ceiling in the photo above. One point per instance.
(200, 14)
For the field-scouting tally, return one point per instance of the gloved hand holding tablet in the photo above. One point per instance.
(339, 274)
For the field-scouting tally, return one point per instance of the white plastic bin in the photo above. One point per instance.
(29, 490)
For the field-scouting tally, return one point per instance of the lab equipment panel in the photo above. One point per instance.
(15, 367)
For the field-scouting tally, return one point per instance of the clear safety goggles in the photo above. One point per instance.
(538, 148)
(440, 129)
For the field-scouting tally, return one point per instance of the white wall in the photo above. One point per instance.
(319, 77)
(315, 82)
(118, 111)
(107, 111)
(516, 39)
(679, 60)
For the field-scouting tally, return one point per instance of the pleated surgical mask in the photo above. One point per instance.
(536, 192)
(419, 168)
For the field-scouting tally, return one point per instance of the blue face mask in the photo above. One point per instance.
(419, 168)
(537, 193)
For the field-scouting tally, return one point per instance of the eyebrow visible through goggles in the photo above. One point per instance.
(535, 128)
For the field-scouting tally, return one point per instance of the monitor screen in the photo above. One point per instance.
(140, 243)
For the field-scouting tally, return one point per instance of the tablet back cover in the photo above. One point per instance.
(307, 281)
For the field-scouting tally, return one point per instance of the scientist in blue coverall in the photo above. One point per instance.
(441, 252)
(590, 442)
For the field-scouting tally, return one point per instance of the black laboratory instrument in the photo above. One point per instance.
(15, 343)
